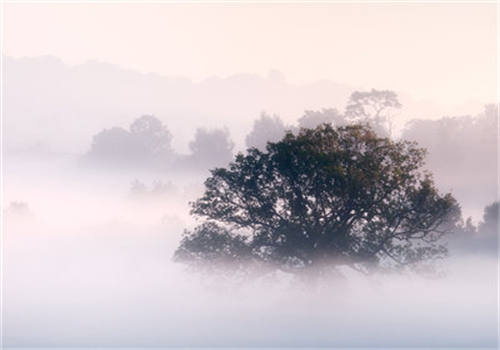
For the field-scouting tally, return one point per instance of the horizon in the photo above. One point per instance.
(249, 174)
(460, 108)
(457, 44)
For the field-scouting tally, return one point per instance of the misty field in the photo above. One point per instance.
(89, 263)
(249, 175)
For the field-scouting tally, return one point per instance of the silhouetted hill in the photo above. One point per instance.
(50, 105)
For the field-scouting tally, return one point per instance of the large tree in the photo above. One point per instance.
(319, 199)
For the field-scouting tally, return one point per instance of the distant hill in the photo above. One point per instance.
(55, 107)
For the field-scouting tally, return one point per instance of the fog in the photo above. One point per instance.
(55, 107)
(113, 116)
(96, 199)
(88, 262)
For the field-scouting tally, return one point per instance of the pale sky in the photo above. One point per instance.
(441, 52)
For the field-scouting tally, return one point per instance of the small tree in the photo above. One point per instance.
(489, 224)
(211, 148)
(146, 143)
(112, 145)
(320, 199)
(481, 239)
(265, 129)
(151, 137)
(375, 107)
(312, 119)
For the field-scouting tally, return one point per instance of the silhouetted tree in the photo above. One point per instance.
(465, 145)
(147, 142)
(319, 199)
(214, 247)
(211, 148)
(479, 240)
(265, 129)
(489, 224)
(152, 137)
(312, 119)
(375, 107)
(113, 145)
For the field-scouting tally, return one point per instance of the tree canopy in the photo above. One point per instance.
(210, 147)
(265, 129)
(147, 142)
(489, 224)
(312, 119)
(375, 107)
(469, 146)
(319, 199)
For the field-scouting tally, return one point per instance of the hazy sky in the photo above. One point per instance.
(442, 52)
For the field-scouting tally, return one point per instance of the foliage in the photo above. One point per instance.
(151, 136)
(375, 107)
(481, 239)
(319, 199)
(213, 246)
(210, 148)
(147, 142)
(489, 224)
(462, 152)
(265, 129)
(312, 119)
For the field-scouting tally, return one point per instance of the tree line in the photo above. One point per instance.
(147, 141)
(147, 144)
(468, 144)
(324, 198)
(337, 189)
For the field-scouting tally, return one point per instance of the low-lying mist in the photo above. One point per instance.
(88, 262)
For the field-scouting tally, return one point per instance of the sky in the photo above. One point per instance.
(88, 247)
(439, 52)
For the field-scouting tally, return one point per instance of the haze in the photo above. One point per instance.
(114, 114)
(440, 52)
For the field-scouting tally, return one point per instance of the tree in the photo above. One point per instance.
(151, 137)
(211, 148)
(489, 224)
(213, 247)
(146, 143)
(480, 240)
(469, 146)
(265, 129)
(319, 199)
(488, 229)
(312, 119)
(112, 145)
(375, 107)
